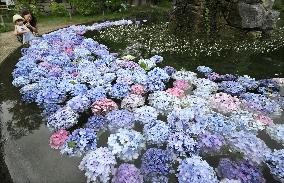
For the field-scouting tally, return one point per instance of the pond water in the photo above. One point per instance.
(25, 150)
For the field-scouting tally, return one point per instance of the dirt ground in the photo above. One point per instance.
(9, 42)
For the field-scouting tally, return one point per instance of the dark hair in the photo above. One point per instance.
(33, 21)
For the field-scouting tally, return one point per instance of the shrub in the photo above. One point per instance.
(58, 9)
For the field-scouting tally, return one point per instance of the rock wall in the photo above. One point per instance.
(201, 16)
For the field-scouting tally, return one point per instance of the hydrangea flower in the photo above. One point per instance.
(120, 119)
(224, 102)
(261, 103)
(64, 118)
(182, 143)
(58, 138)
(79, 142)
(169, 70)
(248, 82)
(126, 144)
(156, 132)
(253, 148)
(275, 162)
(204, 69)
(96, 93)
(98, 165)
(210, 143)
(79, 103)
(127, 173)
(158, 74)
(147, 64)
(232, 87)
(241, 170)
(175, 92)
(103, 106)
(132, 102)
(119, 90)
(263, 119)
(156, 164)
(145, 114)
(157, 59)
(276, 132)
(185, 75)
(181, 84)
(163, 101)
(97, 123)
(194, 169)
(137, 89)
(180, 119)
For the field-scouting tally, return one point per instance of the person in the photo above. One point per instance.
(22, 30)
(30, 21)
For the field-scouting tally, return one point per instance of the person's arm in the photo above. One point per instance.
(34, 29)
(17, 32)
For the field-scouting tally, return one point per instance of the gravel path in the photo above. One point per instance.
(9, 42)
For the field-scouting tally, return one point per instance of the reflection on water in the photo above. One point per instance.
(26, 151)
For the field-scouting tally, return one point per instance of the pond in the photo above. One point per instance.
(25, 149)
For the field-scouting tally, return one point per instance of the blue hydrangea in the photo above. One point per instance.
(79, 142)
(182, 143)
(204, 69)
(97, 123)
(248, 82)
(156, 164)
(275, 162)
(96, 93)
(196, 170)
(145, 114)
(232, 87)
(79, 103)
(180, 119)
(119, 90)
(64, 118)
(120, 119)
(156, 132)
(127, 173)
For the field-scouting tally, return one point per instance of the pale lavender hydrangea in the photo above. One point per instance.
(126, 144)
(127, 173)
(275, 162)
(98, 165)
(145, 114)
(196, 170)
(120, 119)
(79, 103)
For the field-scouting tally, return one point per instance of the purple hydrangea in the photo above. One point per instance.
(97, 123)
(156, 163)
(120, 119)
(242, 170)
(127, 173)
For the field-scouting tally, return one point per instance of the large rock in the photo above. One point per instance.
(250, 14)
(199, 16)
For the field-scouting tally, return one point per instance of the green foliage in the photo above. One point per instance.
(58, 9)
(90, 7)
(27, 5)
(279, 5)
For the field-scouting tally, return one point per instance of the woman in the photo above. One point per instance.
(30, 21)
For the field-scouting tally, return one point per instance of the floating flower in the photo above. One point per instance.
(79, 142)
(98, 165)
(120, 119)
(64, 118)
(103, 106)
(276, 132)
(156, 132)
(145, 114)
(224, 102)
(156, 164)
(194, 169)
(126, 144)
(275, 162)
(58, 138)
(181, 84)
(132, 101)
(137, 89)
(242, 170)
(127, 173)
(79, 103)
(97, 123)
(175, 92)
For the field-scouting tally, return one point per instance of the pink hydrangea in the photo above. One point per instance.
(58, 138)
(225, 102)
(264, 119)
(175, 92)
(137, 89)
(181, 84)
(103, 106)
